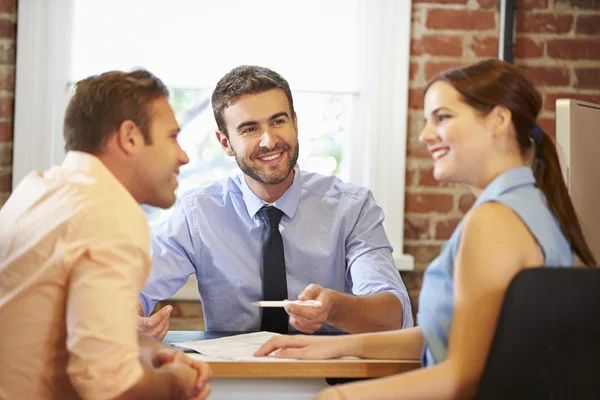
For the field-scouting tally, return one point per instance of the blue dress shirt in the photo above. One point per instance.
(332, 235)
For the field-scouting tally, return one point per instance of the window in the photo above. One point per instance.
(346, 61)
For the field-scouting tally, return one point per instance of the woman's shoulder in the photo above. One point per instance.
(495, 238)
(494, 221)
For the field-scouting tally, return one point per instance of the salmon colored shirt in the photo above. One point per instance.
(74, 255)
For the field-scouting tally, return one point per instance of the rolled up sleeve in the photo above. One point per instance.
(102, 338)
(371, 267)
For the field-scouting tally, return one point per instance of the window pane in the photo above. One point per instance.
(192, 43)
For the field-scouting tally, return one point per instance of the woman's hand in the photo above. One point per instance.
(331, 393)
(308, 347)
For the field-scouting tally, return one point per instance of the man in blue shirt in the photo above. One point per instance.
(336, 250)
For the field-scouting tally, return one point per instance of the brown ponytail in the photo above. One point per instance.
(546, 169)
(492, 82)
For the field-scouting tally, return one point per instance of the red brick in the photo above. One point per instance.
(7, 55)
(444, 229)
(5, 156)
(423, 254)
(415, 98)
(439, 45)
(588, 78)
(7, 29)
(414, 125)
(8, 6)
(548, 76)
(588, 24)
(465, 20)
(465, 202)
(485, 47)
(428, 202)
(550, 99)
(583, 4)
(416, 17)
(417, 150)
(416, 228)
(520, 4)
(432, 69)
(412, 279)
(6, 132)
(548, 125)
(527, 48)
(413, 70)
(3, 198)
(6, 107)
(409, 177)
(524, 47)
(543, 23)
(5, 181)
(7, 78)
(574, 49)
(426, 178)
(441, 1)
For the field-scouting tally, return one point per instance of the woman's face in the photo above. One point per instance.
(457, 136)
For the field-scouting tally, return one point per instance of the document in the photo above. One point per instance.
(236, 348)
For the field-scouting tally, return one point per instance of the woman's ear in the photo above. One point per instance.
(501, 120)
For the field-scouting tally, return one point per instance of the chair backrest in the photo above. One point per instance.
(547, 342)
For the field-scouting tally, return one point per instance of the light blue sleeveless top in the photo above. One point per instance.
(516, 189)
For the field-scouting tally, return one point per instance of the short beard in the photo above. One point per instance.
(254, 173)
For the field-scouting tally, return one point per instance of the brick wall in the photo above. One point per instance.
(8, 16)
(557, 42)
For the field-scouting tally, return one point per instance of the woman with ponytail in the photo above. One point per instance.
(481, 131)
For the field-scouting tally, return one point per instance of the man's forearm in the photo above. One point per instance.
(155, 384)
(371, 313)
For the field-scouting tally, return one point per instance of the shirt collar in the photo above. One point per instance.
(288, 202)
(92, 166)
(505, 182)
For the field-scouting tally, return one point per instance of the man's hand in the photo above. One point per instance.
(166, 355)
(187, 378)
(310, 319)
(155, 326)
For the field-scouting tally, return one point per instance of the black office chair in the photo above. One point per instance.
(547, 343)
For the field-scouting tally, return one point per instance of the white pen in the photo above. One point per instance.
(305, 303)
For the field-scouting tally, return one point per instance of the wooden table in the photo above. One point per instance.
(282, 380)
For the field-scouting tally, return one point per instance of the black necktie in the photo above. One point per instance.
(274, 319)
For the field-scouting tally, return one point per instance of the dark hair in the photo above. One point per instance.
(492, 82)
(245, 79)
(101, 103)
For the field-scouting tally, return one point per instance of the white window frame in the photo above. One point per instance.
(378, 150)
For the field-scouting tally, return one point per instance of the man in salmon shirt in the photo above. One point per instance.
(74, 254)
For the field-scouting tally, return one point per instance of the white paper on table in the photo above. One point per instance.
(202, 357)
(237, 348)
